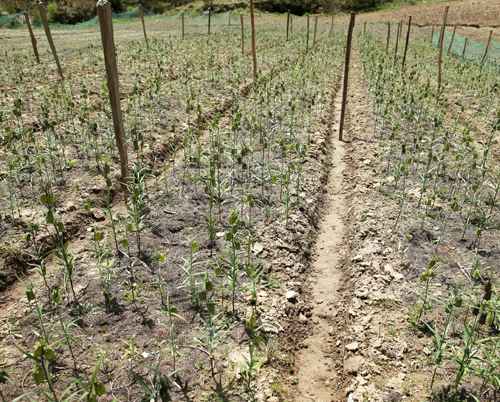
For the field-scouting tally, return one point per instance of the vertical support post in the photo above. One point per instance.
(108, 44)
(291, 23)
(397, 43)
(307, 41)
(43, 16)
(364, 28)
(452, 37)
(229, 22)
(209, 19)
(465, 47)
(346, 73)
(331, 27)
(182, 15)
(441, 40)
(287, 24)
(242, 33)
(388, 37)
(254, 50)
(407, 40)
(32, 35)
(487, 47)
(143, 23)
(432, 34)
(315, 29)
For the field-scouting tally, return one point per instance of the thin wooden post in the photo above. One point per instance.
(229, 22)
(108, 44)
(441, 39)
(182, 24)
(364, 28)
(209, 19)
(307, 42)
(242, 33)
(465, 46)
(315, 29)
(32, 35)
(397, 44)
(346, 74)
(407, 40)
(487, 47)
(388, 36)
(291, 23)
(331, 27)
(143, 23)
(432, 34)
(287, 24)
(254, 50)
(452, 37)
(43, 16)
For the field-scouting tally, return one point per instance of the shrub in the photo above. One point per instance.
(52, 11)
(160, 7)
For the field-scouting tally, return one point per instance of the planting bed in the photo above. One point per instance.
(253, 256)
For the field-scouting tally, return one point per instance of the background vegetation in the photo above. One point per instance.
(74, 11)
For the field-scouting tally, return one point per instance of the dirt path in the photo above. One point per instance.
(317, 380)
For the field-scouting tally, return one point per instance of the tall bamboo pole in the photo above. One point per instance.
(254, 50)
(209, 19)
(388, 36)
(143, 22)
(346, 74)
(315, 29)
(287, 24)
(43, 16)
(407, 40)
(182, 24)
(452, 37)
(487, 47)
(307, 41)
(108, 44)
(441, 39)
(32, 35)
(242, 33)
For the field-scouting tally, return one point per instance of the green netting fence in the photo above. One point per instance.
(460, 46)
(18, 20)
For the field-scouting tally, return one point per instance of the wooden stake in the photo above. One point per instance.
(487, 47)
(254, 51)
(307, 42)
(43, 16)
(388, 36)
(315, 29)
(209, 19)
(452, 37)
(364, 28)
(242, 33)
(108, 44)
(287, 24)
(441, 36)
(182, 24)
(407, 40)
(229, 22)
(291, 23)
(465, 46)
(397, 44)
(432, 34)
(331, 27)
(143, 23)
(346, 73)
(32, 35)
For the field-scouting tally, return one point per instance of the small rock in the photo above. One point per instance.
(291, 296)
(352, 346)
(353, 364)
(302, 318)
